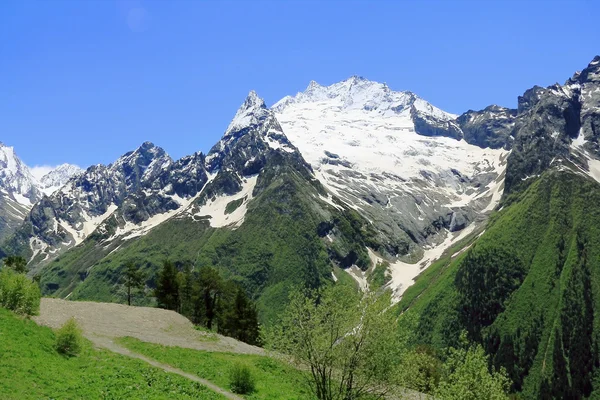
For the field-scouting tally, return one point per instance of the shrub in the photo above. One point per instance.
(241, 379)
(18, 293)
(69, 339)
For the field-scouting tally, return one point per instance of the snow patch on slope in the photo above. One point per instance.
(404, 274)
(215, 208)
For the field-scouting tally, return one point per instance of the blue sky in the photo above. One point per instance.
(86, 81)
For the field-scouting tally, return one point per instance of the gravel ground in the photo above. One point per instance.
(100, 321)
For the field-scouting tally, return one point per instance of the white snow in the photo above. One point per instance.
(16, 177)
(249, 113)
(92, 223)
(403, 274)
(593, 164)
(22, 199)
(369, 131)
(359, 276)
(215, 208)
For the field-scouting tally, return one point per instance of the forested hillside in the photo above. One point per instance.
(527, 289)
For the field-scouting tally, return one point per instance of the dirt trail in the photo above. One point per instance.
(109, 344)
(103, 322)
(153, 325)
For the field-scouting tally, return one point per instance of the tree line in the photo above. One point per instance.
(208, 300)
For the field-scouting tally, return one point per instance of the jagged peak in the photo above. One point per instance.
(591, 73)
(250, 113)
(145, 154)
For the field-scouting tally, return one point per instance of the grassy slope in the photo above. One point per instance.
(274, 379)
(557, 208)
(30, 368)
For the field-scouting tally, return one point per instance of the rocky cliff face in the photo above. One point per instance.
(557, 124)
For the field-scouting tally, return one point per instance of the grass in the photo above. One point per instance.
(30, 368)
(274, 379)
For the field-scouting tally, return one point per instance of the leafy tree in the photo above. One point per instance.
(348, 345)
(133, 278)
(18, 293)
(466, 376)
(167, 287)
(16, 263)
(421, 370)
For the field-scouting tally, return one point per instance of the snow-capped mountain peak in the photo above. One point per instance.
(358, 93)
(252, 111)
(58, 177)
(253, 131)
(16, 178)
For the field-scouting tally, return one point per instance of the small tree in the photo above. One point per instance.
(133, 278)
(69, 339)
(16, 263)
(167, 287)
(349, 345)
(467, 377)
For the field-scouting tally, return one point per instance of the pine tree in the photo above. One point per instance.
(185, 280)
(210, 288)
(238, 317)
(133, 279)
(167, 287)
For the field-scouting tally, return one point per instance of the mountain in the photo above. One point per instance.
(417, 173)
(392, 178)
(526, 285)
(18, 190)
(57, 178)
(252, 207)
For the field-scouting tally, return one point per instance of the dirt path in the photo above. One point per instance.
(109, 344)
(153, 325)
(103, 322)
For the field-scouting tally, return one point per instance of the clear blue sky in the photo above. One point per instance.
(85, 81)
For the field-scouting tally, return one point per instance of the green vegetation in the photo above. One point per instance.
(279, 246)
(274, 379)
(380, 275)
(18, 293)
(133, 279)
(347, 345)
(241, 380)
(208, 300)
(466, 376)
(69, 339)
(16, 263)
(526, 290)
(31, 368)
(234, 205)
